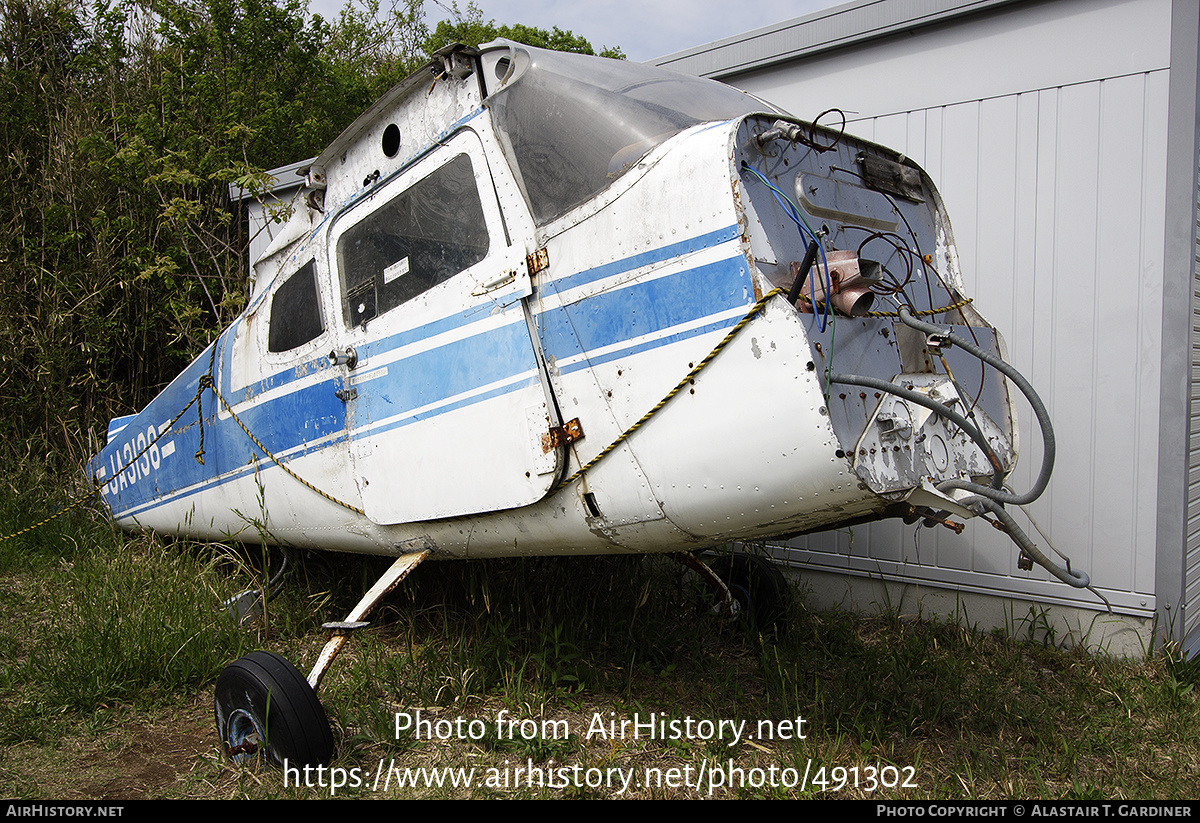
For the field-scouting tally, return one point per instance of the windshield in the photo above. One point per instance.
(575, 123)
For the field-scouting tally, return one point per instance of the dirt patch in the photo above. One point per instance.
(136, 755)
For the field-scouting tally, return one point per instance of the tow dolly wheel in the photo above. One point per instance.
(759, 589)
(266, 709)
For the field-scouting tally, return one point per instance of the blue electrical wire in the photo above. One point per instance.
(792, 211)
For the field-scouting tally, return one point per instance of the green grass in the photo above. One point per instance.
(107, 636)
(95, 618)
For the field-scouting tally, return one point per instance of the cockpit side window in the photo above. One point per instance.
(422, 237)
(574, 124)
(295, 311)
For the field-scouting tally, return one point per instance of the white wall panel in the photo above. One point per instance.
(1055, 190)
(1191, 591)
(1149, 342)
(1029, 47)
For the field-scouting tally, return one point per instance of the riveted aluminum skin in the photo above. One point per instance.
(508, 325)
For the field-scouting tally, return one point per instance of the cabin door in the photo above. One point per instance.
(446, 411)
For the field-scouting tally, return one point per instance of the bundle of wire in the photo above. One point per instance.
(791, 210)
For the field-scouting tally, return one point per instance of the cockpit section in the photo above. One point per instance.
(571, 127)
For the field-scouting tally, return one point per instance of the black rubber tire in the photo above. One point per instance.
(262, 694)
(760, 589)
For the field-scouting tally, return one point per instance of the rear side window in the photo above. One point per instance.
(425, 235)
(295, 311)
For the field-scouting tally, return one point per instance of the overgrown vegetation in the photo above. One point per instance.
(107, 693)
(122, 125)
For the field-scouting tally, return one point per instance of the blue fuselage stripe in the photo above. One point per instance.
(646, 258)
(627, 319)
(623, 315)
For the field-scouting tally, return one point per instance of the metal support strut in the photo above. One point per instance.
(341, 631)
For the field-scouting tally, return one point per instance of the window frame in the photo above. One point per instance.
(284, 288)
(391, 189)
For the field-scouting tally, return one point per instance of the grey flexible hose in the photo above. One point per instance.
(1039, 410)
(1079, 580)
(991, 498)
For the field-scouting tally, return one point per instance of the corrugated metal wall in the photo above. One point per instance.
(1044, 127)
(1059, 241)
(1191, 577)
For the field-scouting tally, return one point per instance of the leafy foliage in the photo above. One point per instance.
(122, 126)
(469, 28)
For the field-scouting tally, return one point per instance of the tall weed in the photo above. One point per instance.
(134, 623)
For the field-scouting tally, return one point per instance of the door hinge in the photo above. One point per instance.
(537, 261)
(569, 432)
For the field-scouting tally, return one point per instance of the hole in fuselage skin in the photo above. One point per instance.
(391, 140)
(589, 500)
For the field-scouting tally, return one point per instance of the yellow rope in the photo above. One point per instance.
(207, 382)
(923, 313)
(279, 463)
(54, 516)
(95, 486)
(755, 309)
